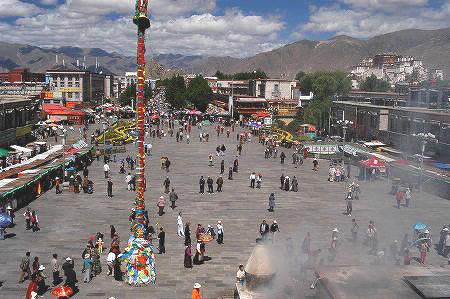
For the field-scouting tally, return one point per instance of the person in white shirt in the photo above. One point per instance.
(219, 232)
(252, 179)
(240, 275)
(180, 231)
(106, 170)
(128, 179)
(110, 262)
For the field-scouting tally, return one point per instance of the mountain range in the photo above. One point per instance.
(339, 52)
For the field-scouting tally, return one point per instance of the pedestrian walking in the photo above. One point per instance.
(355, 228)
(349, 201)
(264, 229)
(27, 216)
(274, 229)
(219, 183)
(162, 241)
(55, 269)
(111, 257)
(282, 157)
(161, 204)
(271, 202)
(230, 173)
(202, 185)
(166, 185)
(188, 256)
(25, 271)
(87, 265)
(187, 234)
(106, 170)
(210, 183)
(196, 291)
(407, 197)
(173, 197)
(109, 187)
(180, 232)
(222, 166)
(219, 232)
(240, 275)
(252, 180)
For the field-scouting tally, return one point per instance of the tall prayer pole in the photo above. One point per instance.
(139, 254)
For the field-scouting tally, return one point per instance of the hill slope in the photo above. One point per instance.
(340, 52)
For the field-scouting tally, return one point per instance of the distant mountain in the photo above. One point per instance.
(41, 59)
(340, 52)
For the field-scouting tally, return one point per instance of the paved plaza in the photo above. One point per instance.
(67, 219)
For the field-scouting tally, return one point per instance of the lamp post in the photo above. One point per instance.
(344, 124)
(424, 138)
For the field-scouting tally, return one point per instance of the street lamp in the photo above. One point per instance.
(344, 124)
(424, 138)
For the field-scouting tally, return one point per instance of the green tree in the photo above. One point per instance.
(257, 74)
(130, 93)
(372, 83)
(198, 93)
(127, 95)
(300, 75)
(325, 86)
(175, 91)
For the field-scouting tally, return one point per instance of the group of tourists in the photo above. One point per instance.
(288, 184)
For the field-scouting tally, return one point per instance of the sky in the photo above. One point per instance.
(238, 28)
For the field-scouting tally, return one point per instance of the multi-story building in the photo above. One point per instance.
(235, 87)
(21, 75)
(274, 89)
(282, 95)
(76, 86)
(429, 98)
(392, 122)
(18, 114)
(390, 67)
(109, 87)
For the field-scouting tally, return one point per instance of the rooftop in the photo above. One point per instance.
(384, 282)
(435, 112)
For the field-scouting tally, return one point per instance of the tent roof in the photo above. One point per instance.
(373, 162)
(4, 152)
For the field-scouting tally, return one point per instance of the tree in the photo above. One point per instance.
(199, 93)
(372, 83)
(130, 93)
(175, 91)
(324, 85)
(300, 75)
(257, 74)
(127, 95)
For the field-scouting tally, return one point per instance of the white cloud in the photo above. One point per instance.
(16, 8)
(233, 33)
(362, 22)
(157, 8)
(384, 4)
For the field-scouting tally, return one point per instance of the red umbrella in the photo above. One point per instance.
(155, 116)
(62, 291)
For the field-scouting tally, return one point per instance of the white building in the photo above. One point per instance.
(274, 89)
(392, 68)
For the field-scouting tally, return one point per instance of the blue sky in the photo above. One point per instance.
(211, 27)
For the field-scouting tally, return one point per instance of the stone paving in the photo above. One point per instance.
(67, 219)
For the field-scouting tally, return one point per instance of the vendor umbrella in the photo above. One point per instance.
(62, 291)
(420, 226)
(5, 220)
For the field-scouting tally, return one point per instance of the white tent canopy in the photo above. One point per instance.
(21, 149)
